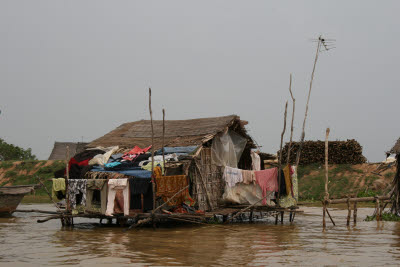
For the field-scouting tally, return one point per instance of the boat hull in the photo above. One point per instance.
(10, 197)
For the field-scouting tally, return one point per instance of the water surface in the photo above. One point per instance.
(24, 242)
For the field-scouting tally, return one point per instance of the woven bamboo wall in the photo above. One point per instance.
(212, 176)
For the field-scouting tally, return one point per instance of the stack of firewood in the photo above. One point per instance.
(340, 152)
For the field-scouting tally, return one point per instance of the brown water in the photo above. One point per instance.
(23, 242)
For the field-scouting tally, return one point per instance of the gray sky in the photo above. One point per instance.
(78, 69)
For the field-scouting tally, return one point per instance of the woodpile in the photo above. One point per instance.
(340, 152)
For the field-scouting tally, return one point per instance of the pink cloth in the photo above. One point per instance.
(268, 181)
(135, 152)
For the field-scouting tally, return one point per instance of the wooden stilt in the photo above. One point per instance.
(251, 216)
(290, 216)
(323, 214)
(348, 211)
(276, 218)
(282, 217)
(355, 213)
(378, 213)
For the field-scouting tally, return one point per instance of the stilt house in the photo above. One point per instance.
(206, 184)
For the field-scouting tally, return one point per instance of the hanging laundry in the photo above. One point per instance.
(147, 167)
(255, 161)
(232, 176)
(287, 171)
(167, 186)
(58, 188)
(282, 188)
(77, 187)
(139, 187)
(248, 177)
(113, 186)
(92, 186)
(134, 153)
(268, 181)
(289, 201)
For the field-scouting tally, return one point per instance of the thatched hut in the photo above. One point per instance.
(59, 151)
(206, 184)
(396, 180)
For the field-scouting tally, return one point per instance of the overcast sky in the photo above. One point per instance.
(75, 70)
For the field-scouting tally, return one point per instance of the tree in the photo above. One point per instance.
(12, 152)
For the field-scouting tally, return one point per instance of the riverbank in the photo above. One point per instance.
(359, 180)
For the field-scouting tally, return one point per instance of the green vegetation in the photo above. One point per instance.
(20, 175)
(369, 193)
(12, 152)
(386, 216)
(342, 182)
(10, 174)
(6, 164)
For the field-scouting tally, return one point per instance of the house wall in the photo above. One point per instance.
(206, 179)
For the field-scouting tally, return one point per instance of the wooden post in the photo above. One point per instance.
(280, 155)
(323, 214)
(355, 213)
(326, 164)
(291, 126)
(152, 153)
(163, 138)
(251, 215)
(326, 197)
(348, 211)
(276, 218)
(282, 212)
(378, 217)
(308, 101)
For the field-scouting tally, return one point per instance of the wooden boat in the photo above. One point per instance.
(11, 196)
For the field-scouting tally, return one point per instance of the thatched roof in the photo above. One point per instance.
(192, 132)
(396, 148)
(60, 149)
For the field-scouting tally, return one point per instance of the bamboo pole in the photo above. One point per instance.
(326, 197)
(48, 193)
(291, 125)
(163, 137)
(323, 214)
(67, 221)
(330, 217)
(152, 152)
(308, 101)
(357, 199)
(326, 164)
(280, 154)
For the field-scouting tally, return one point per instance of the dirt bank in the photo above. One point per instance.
(361, 179)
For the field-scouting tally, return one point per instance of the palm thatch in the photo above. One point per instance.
(60, 149)
(194, 132)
